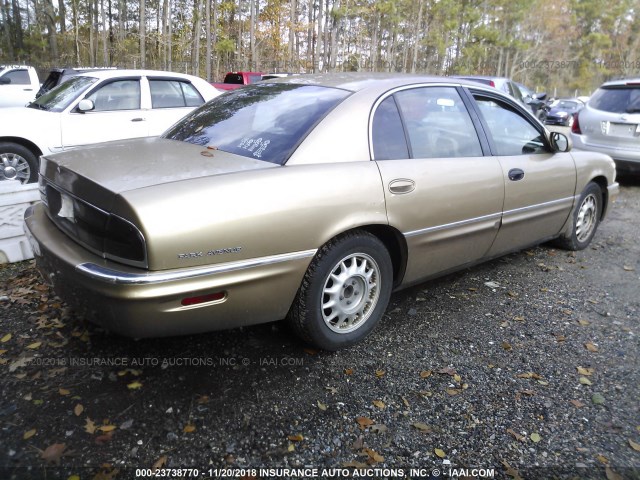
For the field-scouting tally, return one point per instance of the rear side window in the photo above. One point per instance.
(387, 134)
(262, 121)
(173, 94)
(622, 99)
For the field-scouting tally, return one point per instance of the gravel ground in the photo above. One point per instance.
(527, 365)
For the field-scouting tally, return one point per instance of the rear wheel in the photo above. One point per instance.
(585, 220)
(17, 163)
(344, 292)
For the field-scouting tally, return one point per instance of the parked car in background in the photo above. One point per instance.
(610, 123)
(18, 85)
(59, 75)
(233, 80)
(536, 101)
(503, 84)
(269, 76)
(310, 198)
(95, 107)
(561, 112)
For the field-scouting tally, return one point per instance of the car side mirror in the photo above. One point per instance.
(560, 142)
(85, 105)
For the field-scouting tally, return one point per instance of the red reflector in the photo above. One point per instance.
(492, 83)
(211, 297)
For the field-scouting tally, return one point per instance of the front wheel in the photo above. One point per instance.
(17, 163)
(344, 293)
(585, 220)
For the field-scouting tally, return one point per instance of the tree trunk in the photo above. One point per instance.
(316, 63)
(6, 30)
(195, 42)
(143, 35)
(416, 40)
(62, 13)
(293, 17)
(252, 35)
(335, 30)
(105, 47)
(208, 39)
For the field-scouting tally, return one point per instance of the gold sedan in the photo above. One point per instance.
(309, 198)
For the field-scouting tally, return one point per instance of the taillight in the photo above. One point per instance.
(575, 128)
(492, 83)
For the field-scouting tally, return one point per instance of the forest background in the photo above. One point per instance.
(564, 47)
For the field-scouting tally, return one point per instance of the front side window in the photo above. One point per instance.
(18, 77)
(512, 134)
(173, 94)
(262, 121)
(117, 95)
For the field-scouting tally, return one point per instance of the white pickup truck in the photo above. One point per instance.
(18, 85)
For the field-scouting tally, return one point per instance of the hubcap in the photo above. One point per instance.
(350, 293)
(586, 221)
(14, 167)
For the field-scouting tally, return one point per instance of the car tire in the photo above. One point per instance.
(585, 221)
(17, 163)
(344, 292)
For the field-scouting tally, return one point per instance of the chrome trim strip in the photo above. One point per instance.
(541, 205)
(108, 275)
(491, 216)
(461, 223)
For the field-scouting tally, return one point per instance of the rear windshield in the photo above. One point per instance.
(617, 99)
(263, 121)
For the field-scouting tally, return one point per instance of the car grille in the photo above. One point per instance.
(100, 232)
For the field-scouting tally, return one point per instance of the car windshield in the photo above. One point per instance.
(262, 121)
(617, 99)
(59, 98)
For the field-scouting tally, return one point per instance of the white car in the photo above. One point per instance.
(95, 107)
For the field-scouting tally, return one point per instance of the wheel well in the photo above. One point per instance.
(25, 143)
(396, 245)
(602, 183)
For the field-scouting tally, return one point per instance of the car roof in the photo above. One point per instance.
(102, 74)
(626, 81)
(358, 81)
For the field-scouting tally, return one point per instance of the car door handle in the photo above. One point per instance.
(516, 174)
(400, 186)
(139, 119)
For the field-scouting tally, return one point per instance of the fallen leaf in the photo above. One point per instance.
(78, 410)
(89, 426)
(423, 427)
(311, 351)
(602, 459)
(159, 463)
(379, 428)
(332, 390)
(134, 385)
(102, 439)
(457, 378)
(629, 268)
(107, 428)
(634, 445)
(63, 391)
(585, 371)
(53, 453)
(447, 371)
(321, 406)
(379, 403)
(597, 398)
(530, 393)
(453, 391)
(373, 455)
(34, 346)
(348, 371)
(380, 373)
(516, 435)
(405, 401)
(364, 421)
(355, 464)
(439, 452)
(585, 381)
(189, 428)
(296, 438)
(535, 437)
(425, 373)
(29, 434)
(202, 399)
(518, 319)
(510, 471)
(6, 338)
(611, 475)
(577, 403)
(591, 347)
(291, 447)
(583, 323)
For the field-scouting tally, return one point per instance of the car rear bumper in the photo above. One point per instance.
(626, 158)
(140, 303)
